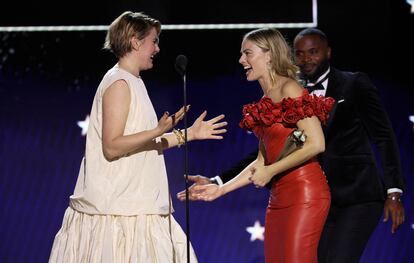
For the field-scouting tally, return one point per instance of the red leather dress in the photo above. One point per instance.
(300, 197)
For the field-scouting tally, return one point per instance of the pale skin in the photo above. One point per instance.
(255, 61)
(116, 101)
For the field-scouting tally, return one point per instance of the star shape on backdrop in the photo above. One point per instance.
(84, 125)
(256, 231)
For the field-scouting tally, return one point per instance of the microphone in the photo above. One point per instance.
(181, 64)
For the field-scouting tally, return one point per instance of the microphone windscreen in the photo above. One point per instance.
(181, 64)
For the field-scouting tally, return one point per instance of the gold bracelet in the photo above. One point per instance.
(180, 137)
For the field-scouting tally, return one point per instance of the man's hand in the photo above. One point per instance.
(198, 180)
(394, 207)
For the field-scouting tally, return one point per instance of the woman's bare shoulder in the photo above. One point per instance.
(291, 89)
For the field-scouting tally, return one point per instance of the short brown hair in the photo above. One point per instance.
(126, 26)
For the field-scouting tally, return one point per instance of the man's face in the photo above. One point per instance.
(312, 56)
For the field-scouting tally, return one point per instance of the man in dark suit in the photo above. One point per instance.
(357, 120)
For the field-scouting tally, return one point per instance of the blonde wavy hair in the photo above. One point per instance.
(281, 61)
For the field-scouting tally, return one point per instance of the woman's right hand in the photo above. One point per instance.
(167, 121)
(208, 192)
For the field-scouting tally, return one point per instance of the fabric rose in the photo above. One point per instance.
(251, 109)
(323, 107)
(291, 116)
(265, 104)
(267, 118)
(288, 112)
(277, 113)
(328, 105)
(288, 103)
(248, 122)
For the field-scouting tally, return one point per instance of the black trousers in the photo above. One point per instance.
(347, 231)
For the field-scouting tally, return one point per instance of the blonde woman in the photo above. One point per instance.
(299, 197)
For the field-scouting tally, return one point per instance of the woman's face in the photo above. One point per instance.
(254, 61)
(147, 49)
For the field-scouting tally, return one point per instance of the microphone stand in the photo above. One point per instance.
(181, 66)
(187, 202)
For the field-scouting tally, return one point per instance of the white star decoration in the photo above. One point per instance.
(84, 125)
(256, 231)
(411, 118)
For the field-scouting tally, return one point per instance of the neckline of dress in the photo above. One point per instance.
(124, 70)
(276, 103)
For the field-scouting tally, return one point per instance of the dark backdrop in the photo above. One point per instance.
(48, 80)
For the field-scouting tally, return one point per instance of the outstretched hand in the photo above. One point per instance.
(201, 130)
(208, 192)
(198, 180)
(167, 121)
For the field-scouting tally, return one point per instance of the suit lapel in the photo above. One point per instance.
(334, 91)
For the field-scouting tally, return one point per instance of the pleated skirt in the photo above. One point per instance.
(119, 239)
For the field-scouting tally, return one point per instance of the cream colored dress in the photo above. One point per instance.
(120, 211)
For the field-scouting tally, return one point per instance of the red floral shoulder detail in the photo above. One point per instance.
(288, 111)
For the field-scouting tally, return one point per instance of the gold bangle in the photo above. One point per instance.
(180, 137)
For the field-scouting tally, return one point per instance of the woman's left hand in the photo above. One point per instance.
(260, 176)
(201, 130)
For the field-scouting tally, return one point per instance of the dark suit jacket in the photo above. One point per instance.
(356, 120)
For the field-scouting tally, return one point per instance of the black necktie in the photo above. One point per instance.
(317, 86)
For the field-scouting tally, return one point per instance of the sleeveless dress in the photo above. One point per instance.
(120, 210)
(299, 197)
